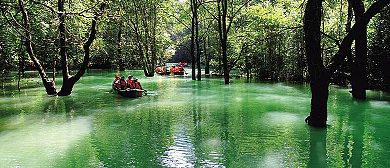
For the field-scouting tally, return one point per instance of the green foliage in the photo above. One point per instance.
(265, 38)
(379, 52)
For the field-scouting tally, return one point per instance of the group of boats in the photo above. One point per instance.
(177, 69)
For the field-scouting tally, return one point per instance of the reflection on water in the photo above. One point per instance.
(185, 123)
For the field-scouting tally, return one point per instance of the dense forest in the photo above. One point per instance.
(343, 42)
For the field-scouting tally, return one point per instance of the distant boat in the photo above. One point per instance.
(178, 69)
(132, 93)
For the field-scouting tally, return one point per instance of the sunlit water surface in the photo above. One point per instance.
(185, 123)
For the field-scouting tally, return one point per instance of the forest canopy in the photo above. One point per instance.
(258, 39)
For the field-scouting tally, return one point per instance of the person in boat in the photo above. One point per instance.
(115, 83)
(180, 69)
(122, 83)
(158, 69)
(129, 82)
(173, 68)
(136, 84)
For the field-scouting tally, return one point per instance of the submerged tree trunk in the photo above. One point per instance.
(359, 73)
(207, 61)
(224, 42)
(199, 76)
(192, 47)
(68, 84)
(222, 31)
(48, 84)
(318, 75)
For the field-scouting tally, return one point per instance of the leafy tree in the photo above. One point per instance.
(68, 81)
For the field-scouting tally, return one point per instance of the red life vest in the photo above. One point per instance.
(117, 83)
(129, 83)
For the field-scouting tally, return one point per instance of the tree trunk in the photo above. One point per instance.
(192, 48)
(64, 58)
(224, 42)
(318, 75)
(199, 76)
(21, 62)
(54, 70)
(153, 45)
(68, 84)
(348, 28)
(359, 73)
(121, 61)
(49, 85)
(207, 61)
(223, 36)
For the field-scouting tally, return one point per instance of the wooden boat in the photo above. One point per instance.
(133, 93)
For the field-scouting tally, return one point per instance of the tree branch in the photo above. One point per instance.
(243, 49)
(47, 6)
(210, 12)
(177, 20)
(335, 40)
(234, 15)
(347, 41)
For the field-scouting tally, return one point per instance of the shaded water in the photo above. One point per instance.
(185, 123)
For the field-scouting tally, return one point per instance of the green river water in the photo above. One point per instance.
(185, 123)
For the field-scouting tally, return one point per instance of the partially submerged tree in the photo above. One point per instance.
(359, 63)
(319, 74)
(68, 81)
(225, 18)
